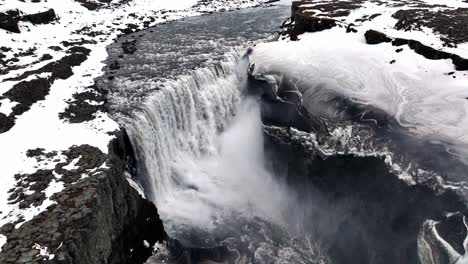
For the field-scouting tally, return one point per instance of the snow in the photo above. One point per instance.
(44, 251)
(6, 106)
(41, 127)
(146, 244)
(418, 92)
(385, 23)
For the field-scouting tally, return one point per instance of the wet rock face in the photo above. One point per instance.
(98, 219)
(358, 209)
(308, 23)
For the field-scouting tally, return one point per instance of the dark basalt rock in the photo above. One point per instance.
(26, 93)
(302, 21)
(328, 9)
(46, 57)
(129, 46)
(61, 69)
(114, 65)
(439, 21)
(453, 230)
(36, 182)
(9, 21)
(281, 103)
(84, 106)
(6, 123)
(376, 37)
(307, 23)
(93, 4)
(461, 64)
(99, 219)
(82, 41)
(41, 18)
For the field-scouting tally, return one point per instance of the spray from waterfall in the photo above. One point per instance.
(200, 143)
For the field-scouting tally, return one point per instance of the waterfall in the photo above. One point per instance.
(200, 149)
(183, 118)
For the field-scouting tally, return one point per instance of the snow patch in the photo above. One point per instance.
(3, 240)
(44, 251)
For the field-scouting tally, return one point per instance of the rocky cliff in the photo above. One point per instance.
(100, 219)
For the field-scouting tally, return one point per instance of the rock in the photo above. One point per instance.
(375, 37)
(129, 46)
(308, 23)
(41, 18)
(461, 64)
(80, 109)
(114, 65)
(6, 123)
(27, 92)
(46, 57)
(9, 21)
(450, 23)
(96, 220)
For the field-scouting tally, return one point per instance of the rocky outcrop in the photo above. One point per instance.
(41, 17)
(436, 19)
(10, 19)
(98, 219)
(28, 92)
(375, 37)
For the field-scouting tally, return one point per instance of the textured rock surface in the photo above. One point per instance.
(99, 219)
(9, 20)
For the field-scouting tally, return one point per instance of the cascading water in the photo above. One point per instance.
(200, 140)
(199, 147)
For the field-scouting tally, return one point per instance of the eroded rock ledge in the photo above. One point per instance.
(99, 219)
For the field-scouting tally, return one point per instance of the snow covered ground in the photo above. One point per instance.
(380, 16)
(426, 97)
(41, 126)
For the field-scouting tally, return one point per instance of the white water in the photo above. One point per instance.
(202, 145)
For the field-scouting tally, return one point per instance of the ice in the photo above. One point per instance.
(418, 92)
